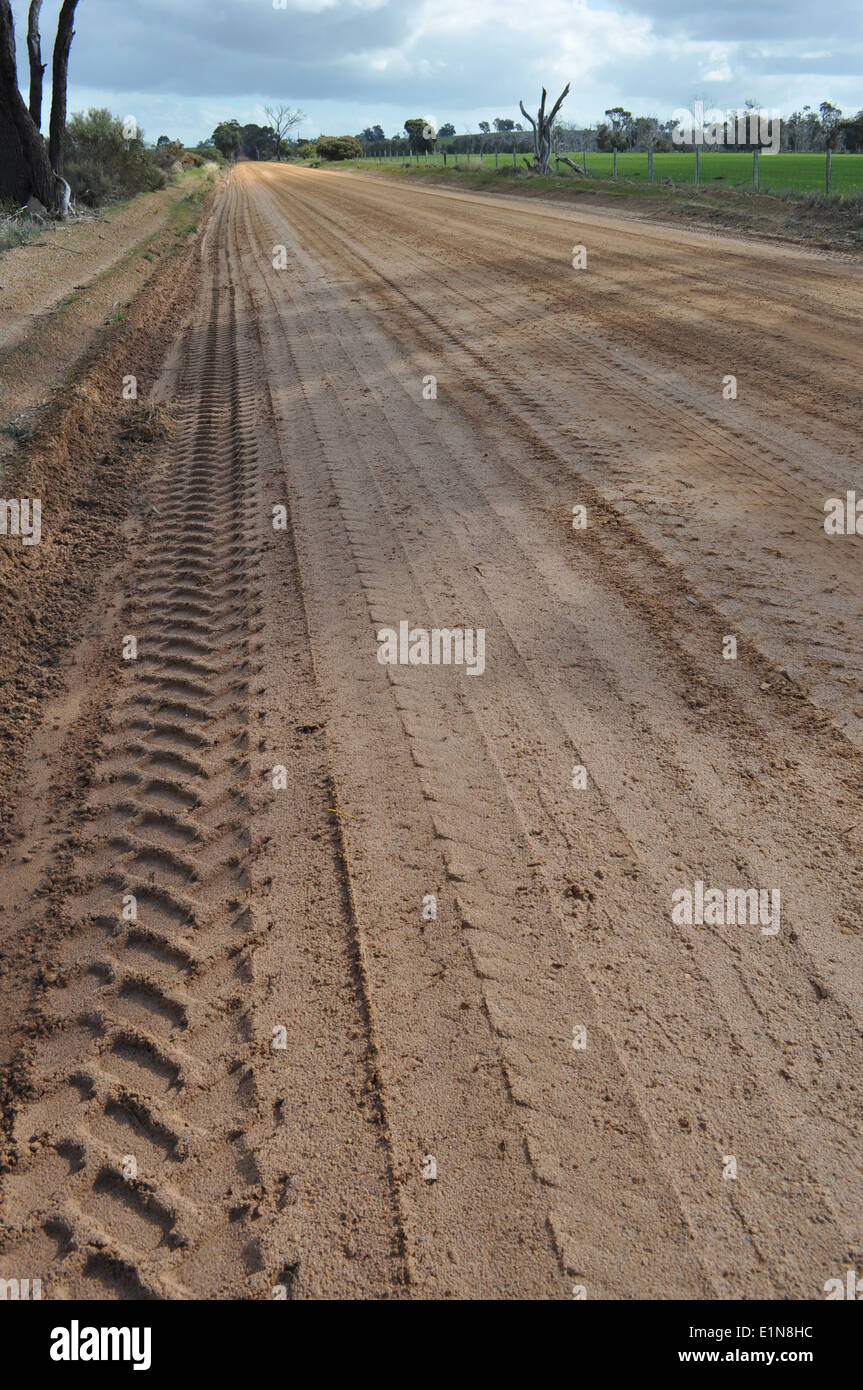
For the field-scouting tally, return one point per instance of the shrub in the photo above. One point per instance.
(103, 166)
(166, 156)
(208, 154)
(339, 147)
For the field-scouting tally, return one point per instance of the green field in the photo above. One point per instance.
(795, 173)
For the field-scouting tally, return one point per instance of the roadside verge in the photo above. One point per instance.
(80, 462)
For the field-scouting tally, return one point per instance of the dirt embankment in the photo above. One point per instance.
(81, 463)
(59, 292)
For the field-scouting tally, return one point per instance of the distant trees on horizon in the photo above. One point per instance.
(808, 130)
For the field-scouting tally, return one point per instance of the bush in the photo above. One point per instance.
(166, 156)
(308, 150)
(102, 165)
(339, 147)
(16, 227)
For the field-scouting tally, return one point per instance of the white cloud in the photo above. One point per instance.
(350, 63)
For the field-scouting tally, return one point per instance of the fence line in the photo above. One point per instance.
(443, 158)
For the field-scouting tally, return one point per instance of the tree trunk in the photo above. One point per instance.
(59, 70)
(37, 67)
(14, 173)
(22, 149)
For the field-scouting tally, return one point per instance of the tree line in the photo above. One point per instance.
(810, 129)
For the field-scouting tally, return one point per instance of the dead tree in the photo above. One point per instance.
(542, 132)
(282, 121)
(25, 160)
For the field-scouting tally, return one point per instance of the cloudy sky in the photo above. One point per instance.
(181, 66)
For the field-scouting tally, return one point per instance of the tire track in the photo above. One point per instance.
(402, 530)
(143, 1026)
(689, 511)
(154, 1139)
(565, 1135)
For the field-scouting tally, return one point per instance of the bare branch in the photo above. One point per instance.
(557, 105)
(282, 120)
(55, 246)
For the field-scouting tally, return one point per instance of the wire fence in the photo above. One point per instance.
(825, 172)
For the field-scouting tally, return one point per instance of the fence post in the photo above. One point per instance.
(650, 164)
(557, 164)
(755, 168)
(697, 165)
(584, 159)
(495, 160)
(614, 163)
(827, 172)
(513, 158)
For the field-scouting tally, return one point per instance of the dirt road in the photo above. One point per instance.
(346, 981)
